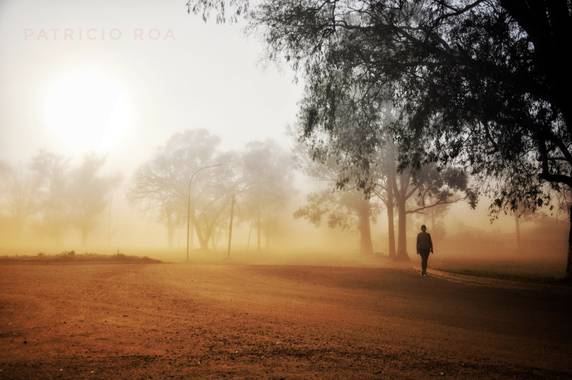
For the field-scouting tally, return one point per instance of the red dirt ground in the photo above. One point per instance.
(238, 321)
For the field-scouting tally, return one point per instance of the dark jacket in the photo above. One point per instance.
(424, 242)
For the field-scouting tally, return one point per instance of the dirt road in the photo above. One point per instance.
(214, 321)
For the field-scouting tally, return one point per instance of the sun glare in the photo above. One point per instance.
(86, 110)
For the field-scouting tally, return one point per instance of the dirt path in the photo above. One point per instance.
(183, 321)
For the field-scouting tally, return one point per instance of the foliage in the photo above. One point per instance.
(56, 195)
(88, 193)
(265, 184)
(189, 167)
(224, 11)
(340, 209)
(477, 82)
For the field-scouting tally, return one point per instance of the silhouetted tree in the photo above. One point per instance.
(17, 199)
(165, 183)
(426, 188)
(344, 205)
(212, 198)
(341, 209)
(355, 134)
(51, 190)
(88, 193)
(485, 83)
(266, 183)
(56, 195)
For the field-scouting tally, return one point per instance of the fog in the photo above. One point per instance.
(112, 118)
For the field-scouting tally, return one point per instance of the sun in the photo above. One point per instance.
(86, 111)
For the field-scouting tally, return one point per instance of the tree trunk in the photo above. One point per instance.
(366, 246)
(258, 230)
(517, 227)
(547, 26)
(391, 232)
(204, 244)
(390, 219)
(402, 230)
(230, 226)
(203, 240)
(211, 235)
(170, 231)
(569, 261)
(192, 235)
(249, 235)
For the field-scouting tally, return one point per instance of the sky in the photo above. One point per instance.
(119, 79)
(142, 69)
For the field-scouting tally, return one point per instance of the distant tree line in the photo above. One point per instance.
(188, 180)
(191, 179)
(51, 196)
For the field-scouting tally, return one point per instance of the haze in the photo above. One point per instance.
(285, 189)
(119, 81)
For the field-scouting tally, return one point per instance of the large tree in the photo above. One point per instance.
(424, 189)
(485, 82)
(188, 177)
(350, 130)
(482, 83)
(342, 203)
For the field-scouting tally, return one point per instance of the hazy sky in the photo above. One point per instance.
(119, 79)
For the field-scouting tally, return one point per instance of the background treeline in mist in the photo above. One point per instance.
(50, 196)
(188, 179)
(191, 180)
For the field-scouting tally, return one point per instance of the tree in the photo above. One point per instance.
(352, 130)
(266, 185)
(64, 195)
(50, 181)
(175, 176)
(54, 195)
(88, 194)
(343, 203)
(17, 198)
(429, 187)
(485, 83)
(211, 196)
(341, 209)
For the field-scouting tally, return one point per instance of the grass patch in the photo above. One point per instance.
(71, 257)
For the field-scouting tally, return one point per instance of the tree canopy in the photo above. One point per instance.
(482, 84)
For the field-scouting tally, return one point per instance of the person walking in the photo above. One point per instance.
(424, 248)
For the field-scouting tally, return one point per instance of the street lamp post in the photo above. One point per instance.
(191, 178)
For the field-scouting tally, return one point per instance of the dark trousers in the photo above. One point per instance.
(424, 260)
